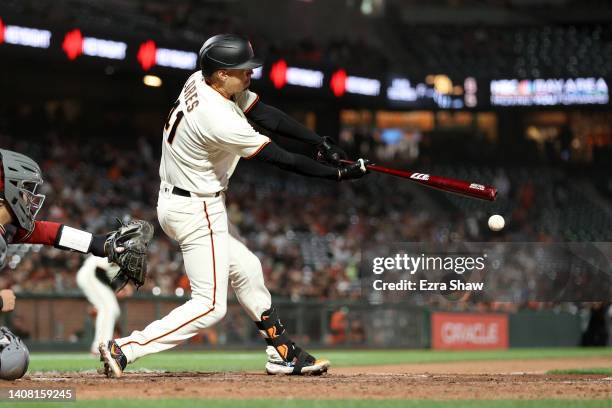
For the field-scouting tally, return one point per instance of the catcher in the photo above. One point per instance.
(19, 204)
(20, 176)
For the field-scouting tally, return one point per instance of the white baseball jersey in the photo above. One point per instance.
(101, 296)
(205, 136)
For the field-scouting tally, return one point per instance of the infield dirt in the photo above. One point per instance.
(515, 379)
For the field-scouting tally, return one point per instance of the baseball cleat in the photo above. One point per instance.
(113, 358)
(310, 366)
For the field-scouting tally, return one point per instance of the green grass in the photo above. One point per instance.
(255, 360)
(324, 404)
(602, 370)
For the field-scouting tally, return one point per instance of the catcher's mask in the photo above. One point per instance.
(20, 179)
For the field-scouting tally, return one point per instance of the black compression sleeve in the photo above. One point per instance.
(278, 121)
(295, 163)
(97, 245)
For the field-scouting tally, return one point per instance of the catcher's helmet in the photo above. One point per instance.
(20, 179)
(227, 51)
(14, 356)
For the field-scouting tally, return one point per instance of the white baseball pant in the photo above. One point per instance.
(102, 297)
(212, 256)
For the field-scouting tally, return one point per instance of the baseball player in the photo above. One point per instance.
(205, 135)
(20, 177)
(95, 278)
(19, 205)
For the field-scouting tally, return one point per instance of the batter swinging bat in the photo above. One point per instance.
(461, 187)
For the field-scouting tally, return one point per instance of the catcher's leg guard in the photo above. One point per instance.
(293, 360)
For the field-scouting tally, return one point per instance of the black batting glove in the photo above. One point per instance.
(353, 171)
(329, 152)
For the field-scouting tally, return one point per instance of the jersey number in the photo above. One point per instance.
(174, 125)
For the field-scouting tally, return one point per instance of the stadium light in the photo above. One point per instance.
(146, 54)
(152, 80)
(150, 55)
(309, 78)
(401, 90)
(26, 36)
(341, 82)
(75, 44)
(257, 73)
(278, 74)
(281, 75)
(549, 91)
(176, 58)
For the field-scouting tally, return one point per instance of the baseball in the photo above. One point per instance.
(496, 222)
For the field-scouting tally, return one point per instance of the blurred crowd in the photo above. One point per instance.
(538, 51)
(308, 233)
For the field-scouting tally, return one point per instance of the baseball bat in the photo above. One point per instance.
(461, 187)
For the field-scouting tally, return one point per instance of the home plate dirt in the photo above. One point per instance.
(458, 380)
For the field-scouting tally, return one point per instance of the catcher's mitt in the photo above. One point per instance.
(127, 247)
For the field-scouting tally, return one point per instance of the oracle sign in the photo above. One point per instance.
(461, 331)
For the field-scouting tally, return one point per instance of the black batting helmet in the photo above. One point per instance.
(227, 51)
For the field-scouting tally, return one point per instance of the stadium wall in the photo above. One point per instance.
(66, 323)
